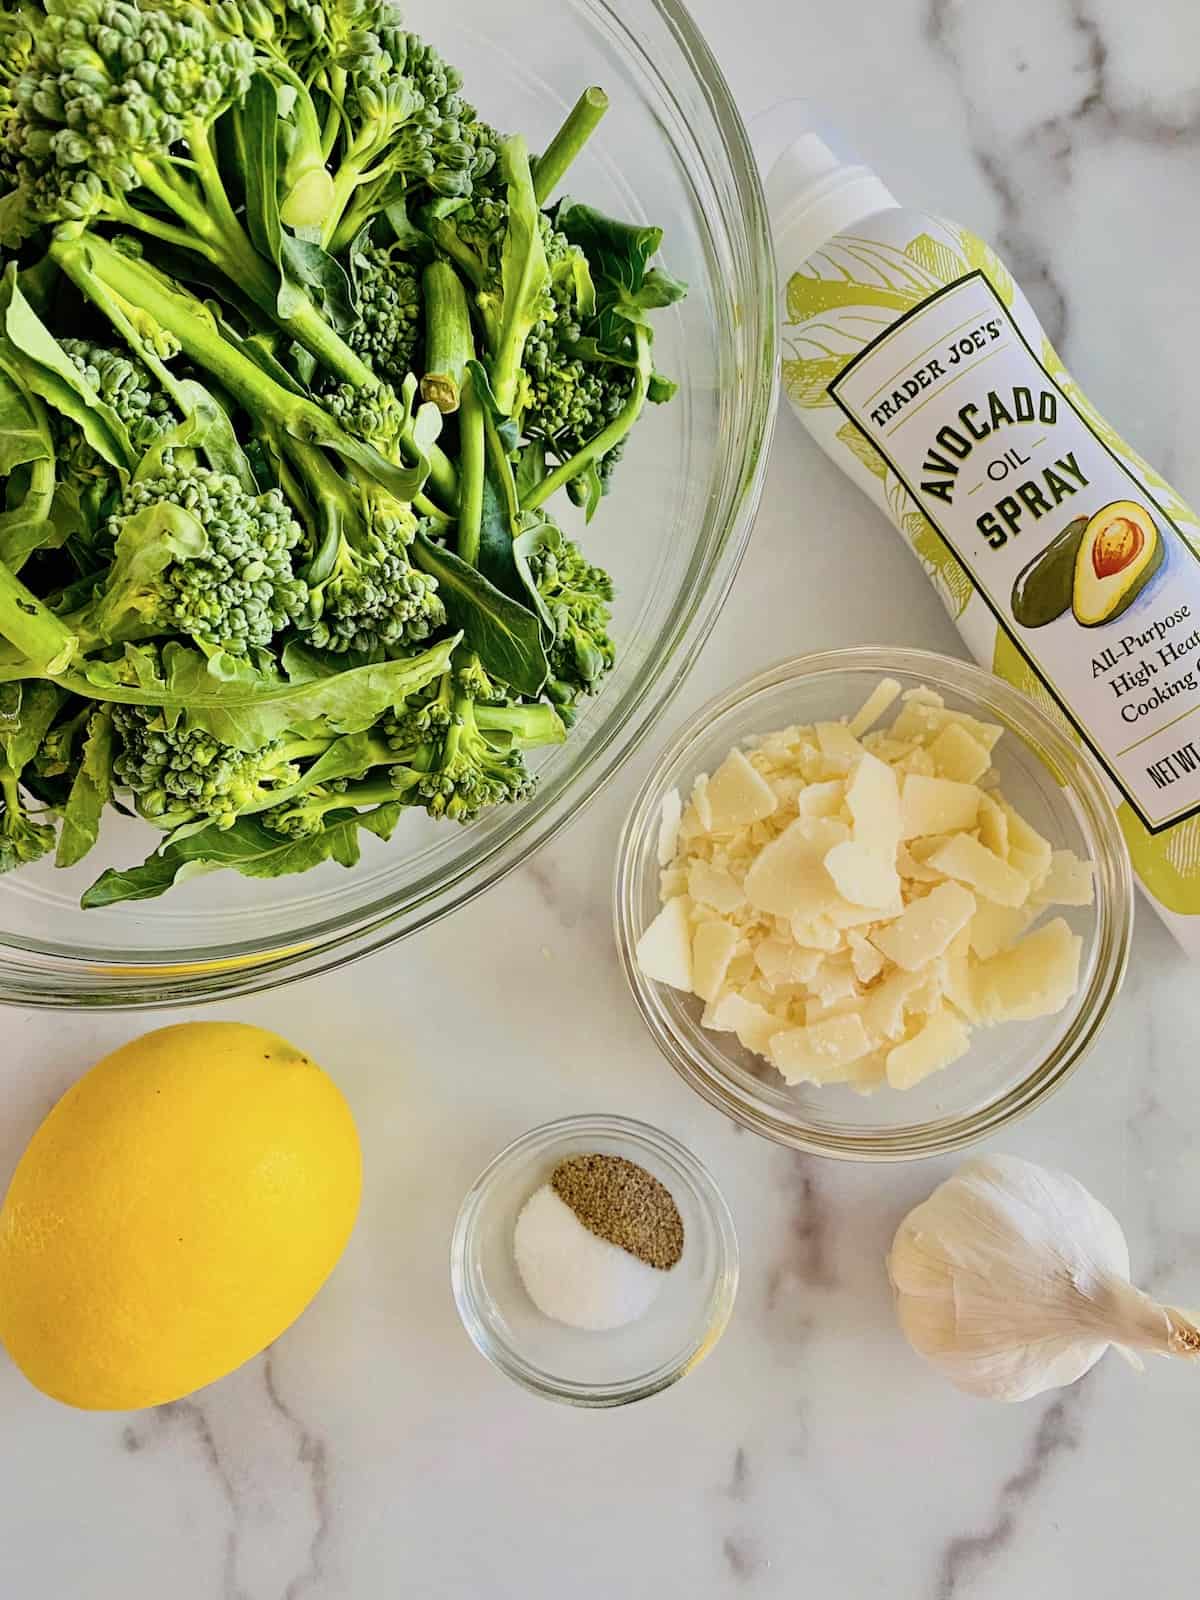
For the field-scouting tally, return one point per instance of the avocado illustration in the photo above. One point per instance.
(1167, 863)
(1043, 590)
(1120, 552)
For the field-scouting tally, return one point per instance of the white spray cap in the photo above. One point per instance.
(813, 194)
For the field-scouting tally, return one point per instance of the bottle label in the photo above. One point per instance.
(1078, 559)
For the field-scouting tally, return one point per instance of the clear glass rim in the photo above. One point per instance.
(31, 978)
(637, 1135)
(1112, 939)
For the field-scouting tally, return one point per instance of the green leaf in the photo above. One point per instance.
(247, 848)
(27, 711)
(149, 542)
(619, 254)
(257, 706)
(505, 635)
(531, 468)
(90, 792)
(31, 356)
(24, 435)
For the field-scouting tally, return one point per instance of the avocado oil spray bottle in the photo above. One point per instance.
(1070, 567)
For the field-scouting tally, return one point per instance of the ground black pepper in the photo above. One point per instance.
(619, 1201)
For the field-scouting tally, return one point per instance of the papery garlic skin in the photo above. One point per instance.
(1012, 1279)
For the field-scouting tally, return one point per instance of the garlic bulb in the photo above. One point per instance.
(1012, 1279)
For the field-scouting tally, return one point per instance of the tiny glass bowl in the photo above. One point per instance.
(575, 1366)
(1009, 1068)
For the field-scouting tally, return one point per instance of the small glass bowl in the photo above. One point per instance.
(568, 1364)
(1010, 1068)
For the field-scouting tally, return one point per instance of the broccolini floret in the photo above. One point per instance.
(22, 840)
(195, 554)
(179, 775)
(388, 329)
(126, 385)
(577, 596)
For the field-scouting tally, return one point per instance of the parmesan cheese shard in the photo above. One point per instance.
(780, 961)
(849, 900)
(821, 799)
(1068, 882)
(865, 961)
(788, 877)
(701, 802)
(664, 952)
(883, 1008)
(995, 928)
(754, 1025)
(864, 875)
(837, 743)
(873, 800)
(877, 702)
(943, 1039)
(738, 795)
(713, 945)
(1035, 978)
(956, 972)
(937, 805)
(993, 826)
(668, 828)
(926, 927)
(817, 1054)
(712, 886)
(958, 756)
(972, 863)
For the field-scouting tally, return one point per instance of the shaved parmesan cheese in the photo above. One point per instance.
(937, 805)
(958, 756)
(815, 1054)
(850, 900)
(943, 1038)
(1068, 882)
(993, 826)
(864, 875)
(867, 963)
(873, 707)
(738, 795)
(873, 800)
(712, 886)
(972, 863)
(927, 927)
(664, 951)
(668, 828)
(780, 961)
(837, 743)
(754, 1025)
(713, 945)
(700, 801)
(788, 878)
(821, 799)
(1034, 979)
(994, 927)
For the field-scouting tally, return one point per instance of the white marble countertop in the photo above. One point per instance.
(372, 1452)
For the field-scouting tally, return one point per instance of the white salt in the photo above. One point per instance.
(574, 1276)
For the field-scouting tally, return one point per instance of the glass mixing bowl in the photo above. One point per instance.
(672, 151)
(1010, 1068)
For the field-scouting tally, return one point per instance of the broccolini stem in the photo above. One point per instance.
(471, 471)
(550, 168)
(596, 449)
(525, 273)
(224, 242)
(90, 261)
(448, 342)
(44, 640)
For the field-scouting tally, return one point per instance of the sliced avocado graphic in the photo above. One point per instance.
(1167, 863)
(1120, 552)
(1044, 589)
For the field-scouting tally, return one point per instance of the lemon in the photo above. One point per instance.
(175, 1212)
